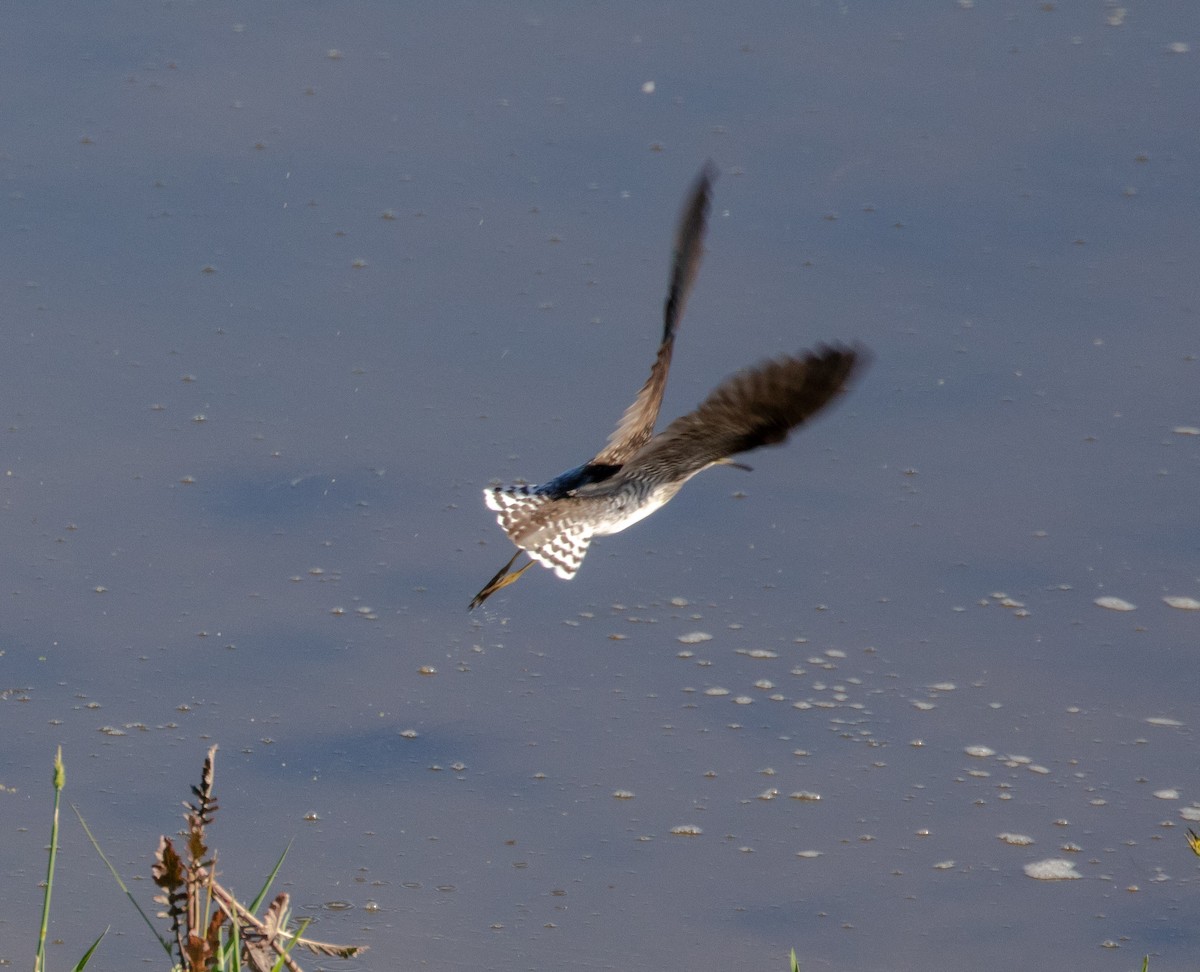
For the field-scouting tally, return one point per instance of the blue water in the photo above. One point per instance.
(285, 286)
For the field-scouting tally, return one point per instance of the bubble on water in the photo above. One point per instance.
(1052, 869)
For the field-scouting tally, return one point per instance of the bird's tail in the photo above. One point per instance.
(551, 531)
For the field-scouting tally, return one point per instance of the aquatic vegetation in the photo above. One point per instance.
(59, 780)
(210, 930)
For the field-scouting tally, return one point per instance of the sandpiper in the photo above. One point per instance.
(637, 472)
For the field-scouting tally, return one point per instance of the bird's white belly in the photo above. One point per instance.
(620, 520)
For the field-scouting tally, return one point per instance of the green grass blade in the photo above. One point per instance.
(59, 780)
(87, 956)
(281, 962)
(229, 954)
(235, 940)
(117, 877)
(266, 888)
(795, 964)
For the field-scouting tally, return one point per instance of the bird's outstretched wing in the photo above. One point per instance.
(637, 424)
(756, 407)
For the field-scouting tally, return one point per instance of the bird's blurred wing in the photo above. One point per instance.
(637, 424)
(756, 407)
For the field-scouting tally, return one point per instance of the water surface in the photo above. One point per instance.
(286, 286)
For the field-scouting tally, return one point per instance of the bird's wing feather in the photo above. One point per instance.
(637, 424)
(756, 407)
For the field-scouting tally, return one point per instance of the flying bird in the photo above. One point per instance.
(637, 471)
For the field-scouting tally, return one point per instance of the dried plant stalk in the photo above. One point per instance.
(200, 908)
